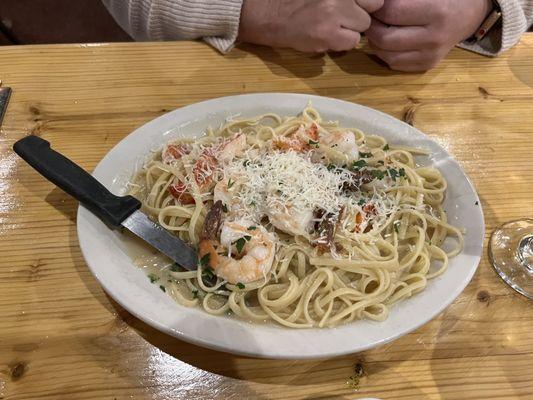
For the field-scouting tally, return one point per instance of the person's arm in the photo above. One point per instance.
(517, 17)
(216, 21)
(305, 25)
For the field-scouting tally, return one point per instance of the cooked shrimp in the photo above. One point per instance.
(295, 222)
(222, 193)
(299, 141)
(341, 141)
(251, 251)
(232, 147)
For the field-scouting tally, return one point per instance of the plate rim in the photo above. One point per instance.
(82, 212)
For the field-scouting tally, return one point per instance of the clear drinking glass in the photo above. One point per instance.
(511, 255)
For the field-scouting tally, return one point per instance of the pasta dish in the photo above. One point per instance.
(298, 220)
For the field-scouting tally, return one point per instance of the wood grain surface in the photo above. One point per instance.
(62, 337)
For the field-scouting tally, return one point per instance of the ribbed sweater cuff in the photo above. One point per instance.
(514, 24)
(217, 21)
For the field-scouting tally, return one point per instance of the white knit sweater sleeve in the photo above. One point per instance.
(216, 21)
(517, 17)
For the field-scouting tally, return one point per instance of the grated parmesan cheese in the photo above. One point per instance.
(287, 180)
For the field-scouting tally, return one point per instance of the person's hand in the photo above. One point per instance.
(314, 26)
(414, 35)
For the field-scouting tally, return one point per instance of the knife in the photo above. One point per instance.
(115, 211)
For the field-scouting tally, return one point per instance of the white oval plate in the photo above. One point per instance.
(106, 255)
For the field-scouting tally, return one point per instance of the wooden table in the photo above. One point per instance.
(61, 337)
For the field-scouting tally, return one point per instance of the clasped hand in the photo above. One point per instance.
(409, 35)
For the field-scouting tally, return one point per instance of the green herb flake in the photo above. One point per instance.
(386, 147)
(247, 238)
(153, 278)
(230, 183)
(240, 285)
(246, 163)
(252, 204)
(195, 294)
(313, 143)
(402, 172)
(224, 208)
(208, 273)
(378, 174)
(239, 243)
(359, 164)
(393, 173)
(396, 226)
(362, 202)
(365, 155)
(252, 228)
(162, 288)
(204, 261)
(381, 162)
(331, 167)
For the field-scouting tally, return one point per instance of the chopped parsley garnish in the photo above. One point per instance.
(246, 163)
(153, 278)
(477, 203)
(224, 208)
(240, 285)
(359, 164)
(331, 167)
(208, 273)
(195, 294)
(230, 183)
(175, 268)
(313, 143)
(393, 173)
(252, 228)
(252, 204)
(396, 226)
(239, 243)
(162, 288)
(204, 261)
(361, 202)
(378, 174)
(365, 155)
(402, 172)
(386, 147)
(381, 162)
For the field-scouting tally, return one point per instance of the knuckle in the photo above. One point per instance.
(328, 8)
(366, 21)
(440, 9)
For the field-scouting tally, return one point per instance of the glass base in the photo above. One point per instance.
(511, 255)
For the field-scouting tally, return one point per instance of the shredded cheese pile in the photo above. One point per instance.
(289, 180)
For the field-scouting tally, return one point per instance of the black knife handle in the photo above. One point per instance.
(75, 181)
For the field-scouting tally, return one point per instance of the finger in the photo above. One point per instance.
(399, 38)
(407, 12)
(370, 6)
(344, 39)
(409, 61)
(355, 18)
